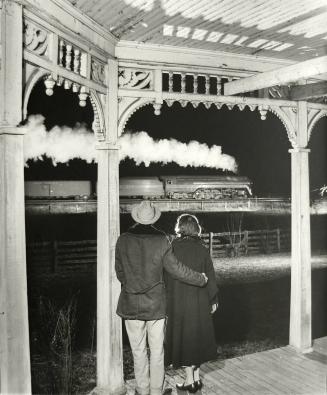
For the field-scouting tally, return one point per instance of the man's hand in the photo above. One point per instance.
(214, 308)
(205, 277)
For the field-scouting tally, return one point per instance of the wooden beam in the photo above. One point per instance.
(282, 76)
(308, 91)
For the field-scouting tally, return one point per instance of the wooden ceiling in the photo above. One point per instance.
(294, 30)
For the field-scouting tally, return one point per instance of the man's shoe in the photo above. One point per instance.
(191, 388)
(198, 384)
(167, 391)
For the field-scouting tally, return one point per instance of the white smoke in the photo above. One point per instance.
(143, 149)
(63, 143)
(59, 144)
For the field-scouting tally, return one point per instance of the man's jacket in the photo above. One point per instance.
(142, 254)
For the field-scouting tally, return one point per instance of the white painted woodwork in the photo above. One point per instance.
(63, 72)
(300, 310)
(11, 64)
(109, 326)
(202, 98)
(84, 43)
(307, 69)
(195, 58)
(15, 375)
(308, 91)
(64, 16)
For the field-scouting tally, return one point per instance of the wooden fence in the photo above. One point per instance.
(248, 242)
(61, 256)
(80, 256)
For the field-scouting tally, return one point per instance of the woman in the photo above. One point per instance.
(190, 338)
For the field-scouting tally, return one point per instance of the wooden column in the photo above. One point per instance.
(300, 311)
(109, 327)
(15, 376)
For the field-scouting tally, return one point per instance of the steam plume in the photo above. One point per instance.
(62, 144)
(142, 148)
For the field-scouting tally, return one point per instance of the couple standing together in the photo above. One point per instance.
(168, 294)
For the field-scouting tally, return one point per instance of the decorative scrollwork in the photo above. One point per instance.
(241, 106)
(313, 117)
(287, 117)
(98, 121)
(127, 107)
(263, 111)
(169, 102)
(98, 71)
(279, 92)
(207, 104)
(195, 104)
(135, 79)
(157, 108)
(35, 39)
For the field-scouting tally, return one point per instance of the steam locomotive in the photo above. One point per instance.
(162, 187)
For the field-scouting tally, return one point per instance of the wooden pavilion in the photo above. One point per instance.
(265, 55)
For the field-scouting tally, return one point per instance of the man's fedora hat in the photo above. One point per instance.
(146, 214)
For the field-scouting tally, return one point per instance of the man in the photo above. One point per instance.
(141, 255)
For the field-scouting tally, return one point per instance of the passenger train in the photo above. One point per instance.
(162, 187)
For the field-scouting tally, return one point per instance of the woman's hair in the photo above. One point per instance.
(187, 225)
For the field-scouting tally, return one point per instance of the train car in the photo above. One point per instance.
(141, 187)
(206, 187)
(58, 189)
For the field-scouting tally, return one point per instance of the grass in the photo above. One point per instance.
(253, 315)
(256, 268)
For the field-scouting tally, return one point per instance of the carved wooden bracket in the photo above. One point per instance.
(313, 117)
(127, 106)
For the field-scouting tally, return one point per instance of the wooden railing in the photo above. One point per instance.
(80, 256)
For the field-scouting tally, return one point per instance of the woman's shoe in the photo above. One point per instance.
(191, 388)
(198, 384)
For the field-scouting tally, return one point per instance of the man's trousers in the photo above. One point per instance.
(148, 381)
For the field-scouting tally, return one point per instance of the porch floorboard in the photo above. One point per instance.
(272, 372)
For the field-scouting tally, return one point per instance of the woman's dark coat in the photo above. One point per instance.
(190, 338)
(142, 254)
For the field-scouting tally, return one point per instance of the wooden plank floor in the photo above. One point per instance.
(278, 371)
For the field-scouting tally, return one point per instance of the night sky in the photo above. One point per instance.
(260, 147)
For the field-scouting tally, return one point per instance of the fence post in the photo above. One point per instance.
(211, 243)
(278, 239)
(54, 256)
(245, 240)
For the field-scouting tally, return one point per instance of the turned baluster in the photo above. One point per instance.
(218, 85)
(170, 82)
(68, 56)
(183, 82)
(207, 84)
(195, 83)
(61, 52)
(77, 60)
